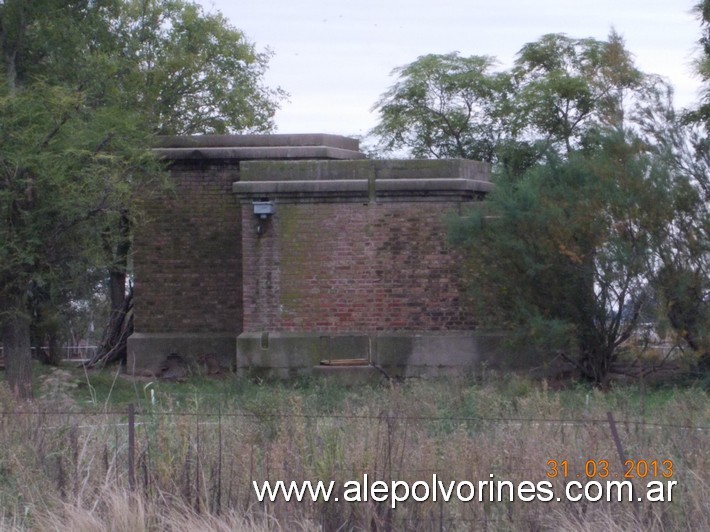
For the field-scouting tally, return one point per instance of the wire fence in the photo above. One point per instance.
(131, 418)
(210, 457)
(345, 416)
(69, 352)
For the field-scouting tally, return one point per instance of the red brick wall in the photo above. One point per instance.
(349, 267)
(187, 258)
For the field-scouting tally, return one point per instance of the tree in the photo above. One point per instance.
(63, 169)
(569, 88)
(590, 200)
(85, 85)
(563, 255)
(683, 278)
(196, 73)
(558, 93)
(701, 114)
(445, 106)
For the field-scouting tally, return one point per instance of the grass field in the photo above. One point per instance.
(199, 445)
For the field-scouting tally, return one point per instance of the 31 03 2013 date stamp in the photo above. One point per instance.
(592, 469)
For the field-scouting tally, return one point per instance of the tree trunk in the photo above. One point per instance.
(117, 273)
(113, 344)
(117, 284)
(15, 332)
(12, 31)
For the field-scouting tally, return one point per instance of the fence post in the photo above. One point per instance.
(131, 447)
(622, 455)
(219, 460)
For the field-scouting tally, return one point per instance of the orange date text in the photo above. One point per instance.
(602, 469)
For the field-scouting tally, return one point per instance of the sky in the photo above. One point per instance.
(335, 57)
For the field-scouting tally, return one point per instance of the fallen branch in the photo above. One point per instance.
(114, 342)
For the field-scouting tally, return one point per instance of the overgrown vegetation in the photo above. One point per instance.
(84, 86)
(200, 445)
(600, 215)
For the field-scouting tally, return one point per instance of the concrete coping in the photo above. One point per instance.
(359, 185)
(257, 153)
(362, 190)
(364, 169)
(257, 141)
(366, 180)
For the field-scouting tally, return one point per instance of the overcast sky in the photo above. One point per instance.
(335, 57)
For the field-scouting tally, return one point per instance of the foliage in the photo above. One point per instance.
(185, 71)
(684, 276)
(701, 114)
(84, 86)
(564, 256)
(445, 106)
(568, 88)
(558, 93)
(601, 204)
(196, 73)
(65, 170)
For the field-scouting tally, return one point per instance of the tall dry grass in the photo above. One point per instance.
(65, 467)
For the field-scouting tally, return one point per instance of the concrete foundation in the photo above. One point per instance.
(147, 353)
(397, 354)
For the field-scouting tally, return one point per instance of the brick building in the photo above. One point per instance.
(277, 252)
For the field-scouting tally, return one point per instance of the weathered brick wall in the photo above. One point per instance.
(187, 257)
(352, 267)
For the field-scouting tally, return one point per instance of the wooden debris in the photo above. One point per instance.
(345, 362)
(114, 343)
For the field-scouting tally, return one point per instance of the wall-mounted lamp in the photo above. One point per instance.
(262, 210)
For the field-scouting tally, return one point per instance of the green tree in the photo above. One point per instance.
(445, 106)
(562, 255)
(569, 88)
(84, 86)
(683, 278)
(196, 73)
(63, 170)
(593, 198)
(701, 114)
(185, 70)
(559, 92)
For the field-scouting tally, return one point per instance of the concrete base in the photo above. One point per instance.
(287, 355)
(425, 354)
(282, 355)
(147, 352)
(441, 354)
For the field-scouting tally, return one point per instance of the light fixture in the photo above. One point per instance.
(262, 210)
